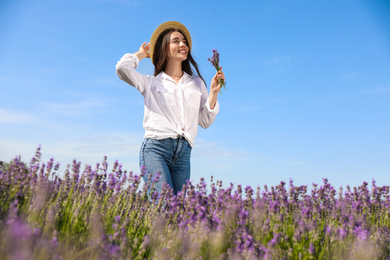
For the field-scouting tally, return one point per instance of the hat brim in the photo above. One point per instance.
(166, 26)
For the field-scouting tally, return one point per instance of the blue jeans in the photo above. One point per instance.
(171, 157)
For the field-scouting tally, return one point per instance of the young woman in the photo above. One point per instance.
(175, 102)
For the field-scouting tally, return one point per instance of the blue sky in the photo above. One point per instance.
(308, 85)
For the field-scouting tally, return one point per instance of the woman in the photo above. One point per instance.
(175, 103)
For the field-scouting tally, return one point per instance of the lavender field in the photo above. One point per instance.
(102, 212)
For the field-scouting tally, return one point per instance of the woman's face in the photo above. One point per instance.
(178, 48)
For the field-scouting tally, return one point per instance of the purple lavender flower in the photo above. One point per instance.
(199, 223)
(312, 249)
(341, 233)
(215, 62)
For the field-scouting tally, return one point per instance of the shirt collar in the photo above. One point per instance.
(162, 75)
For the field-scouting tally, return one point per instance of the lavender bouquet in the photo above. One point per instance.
(215, 62)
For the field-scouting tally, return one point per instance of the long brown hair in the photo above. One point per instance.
(160, 55)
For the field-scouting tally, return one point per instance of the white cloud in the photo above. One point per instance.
(78, 108)
(17, 81)
(10, 120)
(208, 149)
(378, 90)
(297, 162)
(123, 147)
(8, 116)
(208, 158)
(94, 82)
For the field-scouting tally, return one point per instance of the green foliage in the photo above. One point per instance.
(101, 214)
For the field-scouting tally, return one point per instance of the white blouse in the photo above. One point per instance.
(171, 109)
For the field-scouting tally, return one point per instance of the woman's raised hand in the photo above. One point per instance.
(144, 51)
(145, 48)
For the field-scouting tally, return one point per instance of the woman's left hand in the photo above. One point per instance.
(215, 82)
(215, 87)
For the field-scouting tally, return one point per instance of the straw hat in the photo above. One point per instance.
(165, 26)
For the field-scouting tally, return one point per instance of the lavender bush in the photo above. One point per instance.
(97, 213)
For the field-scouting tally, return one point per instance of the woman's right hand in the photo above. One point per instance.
(144, 51)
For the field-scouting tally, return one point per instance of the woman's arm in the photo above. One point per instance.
(125, 69)
(207, 114)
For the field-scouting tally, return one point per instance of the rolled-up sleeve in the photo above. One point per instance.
(125, 69)
(206, 114)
